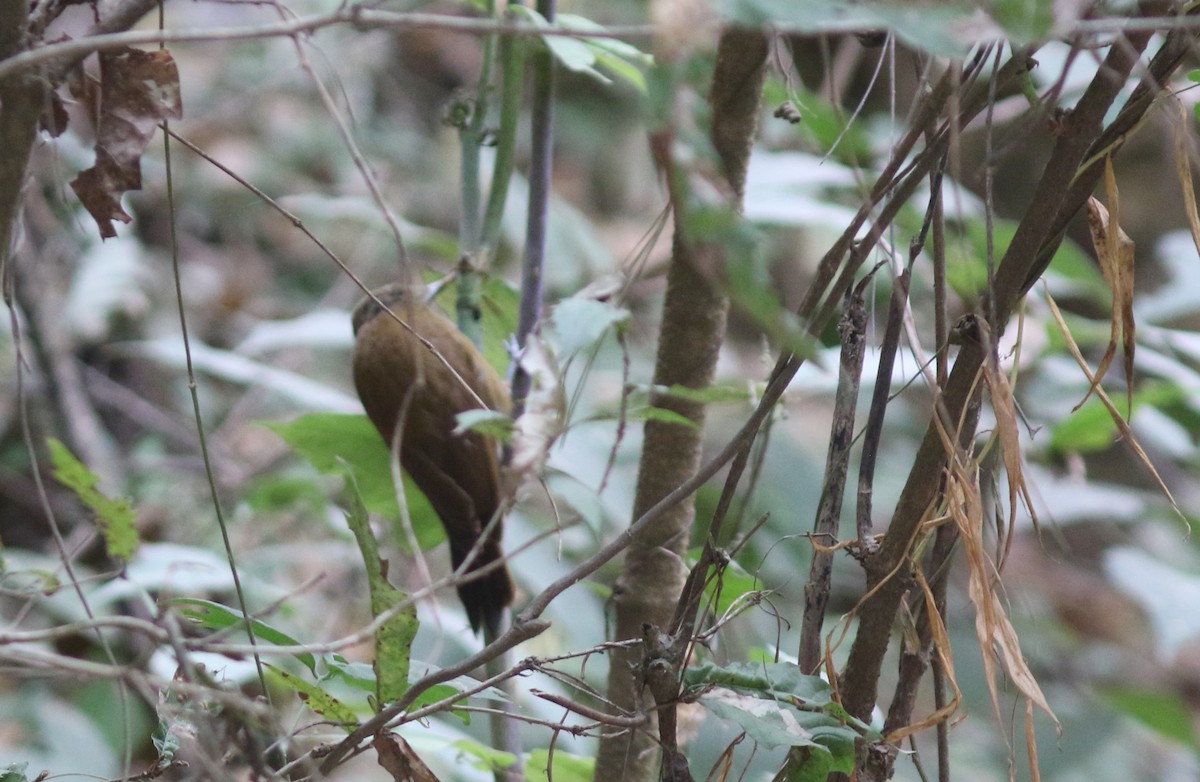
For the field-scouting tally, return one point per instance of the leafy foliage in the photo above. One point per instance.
(1098, 631)
(115, 517)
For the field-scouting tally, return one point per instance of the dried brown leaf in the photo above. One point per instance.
(1122, 250)
(997, 639)
(941, 647)
(1183, 169)
(1005, 409)
(1035, 775)
(138, 91)
(1122, 426)
(399, 760)
(1115, 251)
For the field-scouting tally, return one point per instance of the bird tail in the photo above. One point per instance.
(485, 597)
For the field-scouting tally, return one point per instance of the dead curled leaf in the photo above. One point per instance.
(1115, 251)
(398, 758)
(138, 90)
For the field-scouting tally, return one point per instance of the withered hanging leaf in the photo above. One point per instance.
(1183, 169)
(138, 91)
(1122, 426)
(398, 758)
(1114, 249)
(1123, 274)
(998, 641)
(100, 187)
(1004, 407)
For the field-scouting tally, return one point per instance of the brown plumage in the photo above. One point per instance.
(460, 474)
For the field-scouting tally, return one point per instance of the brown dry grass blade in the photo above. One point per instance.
(1115, 250)
(1122, 426)
(1122, 249)
(1183, 169)
(1004, 407)
(941, 647)
(998, 641)
(1031, 742)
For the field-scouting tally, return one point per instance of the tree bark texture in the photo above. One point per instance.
(690, 339)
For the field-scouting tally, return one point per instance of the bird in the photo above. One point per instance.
(403, 383)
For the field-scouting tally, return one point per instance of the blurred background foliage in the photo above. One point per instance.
(1103, 596)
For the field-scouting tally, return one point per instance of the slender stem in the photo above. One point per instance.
(193, 390)
(541, 159)
(512, 74)
(852, 330)
(470, 138)
(879, 399)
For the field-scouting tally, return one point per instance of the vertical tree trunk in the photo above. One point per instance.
(21, 100)
(693, 329)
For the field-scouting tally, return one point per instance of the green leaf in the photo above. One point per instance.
(490, 422)
(622, 59)
(166, 743)
(14, 772)
(772, 723)
(1087, 430)
(623, 69)
(775, 680)
(1091, 427)
(332, 441)
(274, 493)
(114, 517)
(581, 323)
(214, 616)
(484, 756)
(1163, 712)
(597, 38)
(317, 699)
(823, 126)
(714, 393)
(361, 676)
(1070, 271)
(560, 766)
(776, 704)
(660, 414)
(393, 639)
(459, 684)
(922, 26)
(592, 48)
(817, 766)
(575, 55)
(1023, 21)
(437, 693)
(734, 584)
(358, 675)
(498, 306)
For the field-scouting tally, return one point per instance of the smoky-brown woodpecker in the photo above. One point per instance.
(402, 382)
